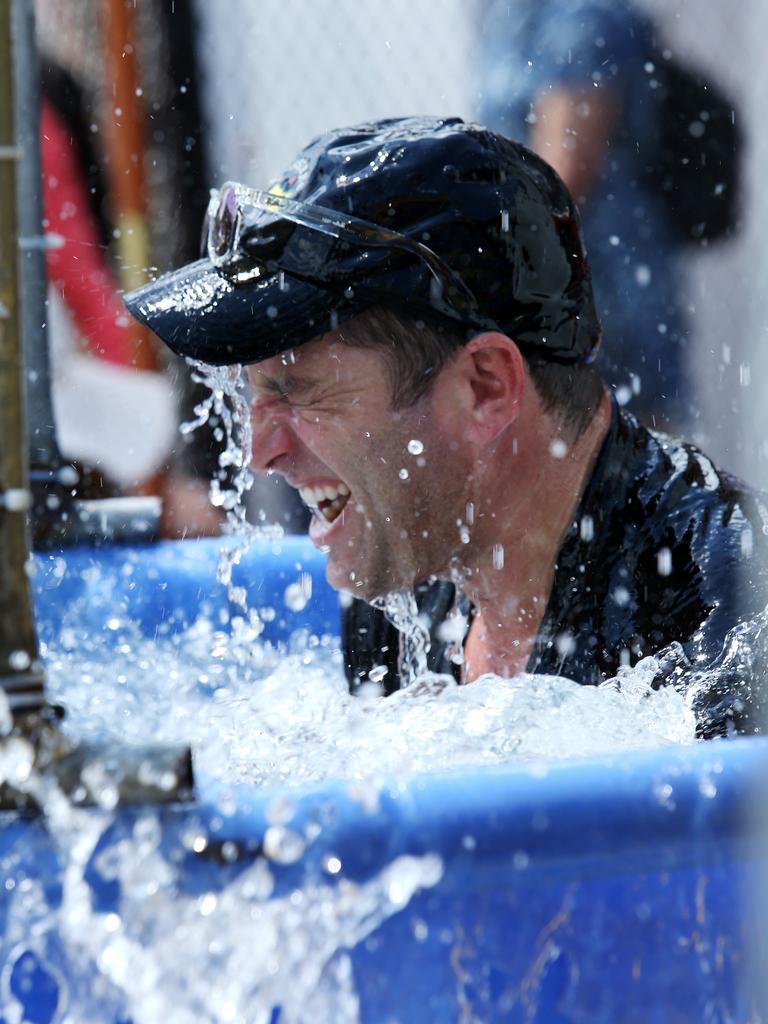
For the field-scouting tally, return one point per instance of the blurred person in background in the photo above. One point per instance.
(115, 421)
(587, 86)
(100, 399)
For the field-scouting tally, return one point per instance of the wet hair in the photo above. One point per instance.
(571, 392)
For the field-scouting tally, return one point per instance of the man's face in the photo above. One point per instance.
(386, 486)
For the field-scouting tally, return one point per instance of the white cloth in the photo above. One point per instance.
(114, 418)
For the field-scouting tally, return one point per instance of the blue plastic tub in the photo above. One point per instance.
(625, 889)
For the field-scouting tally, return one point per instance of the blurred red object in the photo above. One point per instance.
(76, 262)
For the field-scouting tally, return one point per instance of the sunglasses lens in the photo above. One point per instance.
(221, 229)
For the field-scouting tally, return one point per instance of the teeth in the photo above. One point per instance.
(329, 500)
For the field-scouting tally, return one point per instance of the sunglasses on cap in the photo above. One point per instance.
(248, 233)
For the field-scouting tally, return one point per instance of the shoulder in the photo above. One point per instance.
(697, 539)
(682, 486)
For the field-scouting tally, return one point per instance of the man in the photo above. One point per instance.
(415, 309)
(571, 79)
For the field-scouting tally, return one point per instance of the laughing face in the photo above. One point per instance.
(387, 488)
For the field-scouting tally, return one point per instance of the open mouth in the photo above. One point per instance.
(327, 500)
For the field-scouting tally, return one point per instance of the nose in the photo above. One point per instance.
(274, 441)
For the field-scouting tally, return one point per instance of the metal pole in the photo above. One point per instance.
(125, 139)
(21, 674)
(44, 451)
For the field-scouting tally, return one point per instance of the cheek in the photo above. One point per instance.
(318, 433)
(332, 446)
(336, 434)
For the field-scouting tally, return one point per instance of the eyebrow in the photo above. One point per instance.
(286, 384)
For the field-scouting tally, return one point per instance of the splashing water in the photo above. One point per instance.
(228, 403)
(233, 954)
(402, 611)
(258, 715)
(276, 718)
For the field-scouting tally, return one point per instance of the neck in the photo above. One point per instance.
(533, 485)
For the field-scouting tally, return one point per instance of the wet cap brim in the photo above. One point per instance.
(199, 313)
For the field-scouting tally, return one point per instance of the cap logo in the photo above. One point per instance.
(293, 180)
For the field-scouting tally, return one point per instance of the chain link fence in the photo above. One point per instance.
(277, 74)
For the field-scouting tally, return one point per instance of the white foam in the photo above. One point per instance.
(253, 715)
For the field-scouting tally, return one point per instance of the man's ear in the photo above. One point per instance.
(492, 381)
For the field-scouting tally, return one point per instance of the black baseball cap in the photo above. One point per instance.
(433, 217)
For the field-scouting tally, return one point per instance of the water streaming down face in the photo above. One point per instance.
(229, 403)
(402, 611)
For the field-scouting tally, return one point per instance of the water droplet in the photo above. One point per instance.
(707, 787)
(207, 903)
(565, 644)
(415, 447)
(663, 791)
(19, 661)
(664, 562)
(283, 845)
(558, 449)
(403, 474)
(297, 594)
(587, 528)
(747, 543)
(643, 275)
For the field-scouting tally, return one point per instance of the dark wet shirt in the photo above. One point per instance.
(665, 554)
